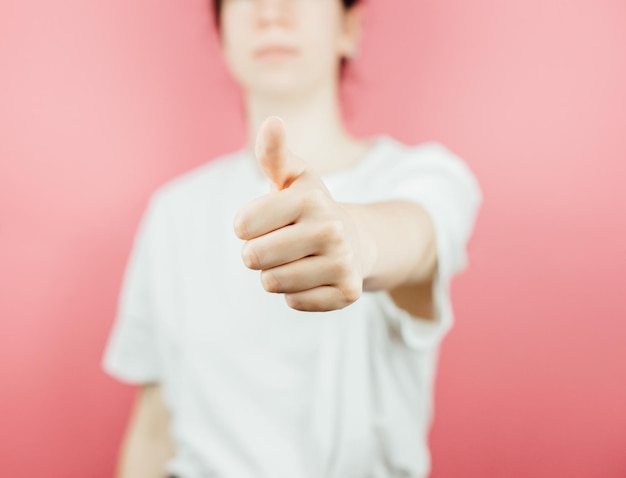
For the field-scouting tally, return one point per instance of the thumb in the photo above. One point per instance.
(278, 164)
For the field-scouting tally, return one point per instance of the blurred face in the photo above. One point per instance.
(286, 46)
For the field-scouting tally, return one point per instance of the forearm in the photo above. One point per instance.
(397, 243)
(147, 445)
(143, 457)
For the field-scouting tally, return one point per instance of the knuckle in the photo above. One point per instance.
(341, 267)
(314, 199)
(351, 292)
(332, 232)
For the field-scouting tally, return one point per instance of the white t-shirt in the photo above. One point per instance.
(257, 389)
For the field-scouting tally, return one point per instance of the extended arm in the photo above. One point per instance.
(320, 253)
(397, 240)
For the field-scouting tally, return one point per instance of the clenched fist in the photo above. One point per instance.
(306, 245)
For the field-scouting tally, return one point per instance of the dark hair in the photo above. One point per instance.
(217, 7)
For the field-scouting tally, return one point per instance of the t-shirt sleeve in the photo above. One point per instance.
(131, 353)
(443, 184)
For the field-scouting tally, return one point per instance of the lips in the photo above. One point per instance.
(275, 51)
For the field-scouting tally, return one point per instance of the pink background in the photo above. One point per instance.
(101, 101)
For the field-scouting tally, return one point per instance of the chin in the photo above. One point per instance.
(277, 83)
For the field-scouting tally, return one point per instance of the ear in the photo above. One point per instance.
(352, 31)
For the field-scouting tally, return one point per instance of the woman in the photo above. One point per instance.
(324, 367)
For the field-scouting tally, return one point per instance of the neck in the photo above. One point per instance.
(314, 127)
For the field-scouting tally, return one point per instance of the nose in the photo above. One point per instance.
(273, 11)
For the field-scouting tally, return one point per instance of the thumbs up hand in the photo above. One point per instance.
(305, 244)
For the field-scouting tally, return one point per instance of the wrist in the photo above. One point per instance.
(365, 246)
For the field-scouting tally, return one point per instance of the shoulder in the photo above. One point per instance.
(395, 160)
(428, 171)
(429, 151)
